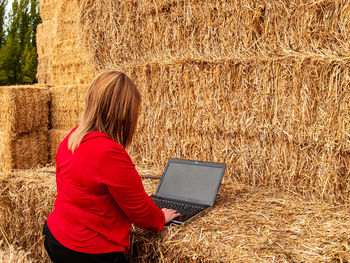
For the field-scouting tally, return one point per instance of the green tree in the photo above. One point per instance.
(18, 56)
(3, 4)
(29, 63)
(35, 19)
(23, 22)
(10, 52)
(29, 54)
(10, 55)
(14, 18)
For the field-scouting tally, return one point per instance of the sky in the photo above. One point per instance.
(9, 4)
(8, 8)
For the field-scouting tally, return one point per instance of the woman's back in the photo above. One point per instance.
(86, 216)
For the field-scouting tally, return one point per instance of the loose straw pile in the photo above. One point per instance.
(11, 255)
(247, 224)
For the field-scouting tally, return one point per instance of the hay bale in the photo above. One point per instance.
(273, 124)
(46, 41)
(44, 70)
(124, 31)
(62, 57)
(6, 162)
(69, 63)
(12, 255)
(67, 105)
(30, 150)
(247, 225)
(45, 48)
(49, 9)
(55, 138)
(247, 84)
(24, 119)
(24, 108)
(281, 123)
(46, 26)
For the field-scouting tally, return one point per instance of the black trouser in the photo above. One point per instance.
(60, 254)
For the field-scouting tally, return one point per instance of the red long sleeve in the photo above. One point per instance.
(128, 191)
(99, 195)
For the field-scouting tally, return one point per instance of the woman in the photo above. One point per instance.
(99, 192)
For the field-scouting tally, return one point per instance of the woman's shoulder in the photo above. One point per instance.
(101, 140)
(114, 154)
(103, 144)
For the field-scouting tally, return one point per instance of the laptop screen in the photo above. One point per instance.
(191, 181)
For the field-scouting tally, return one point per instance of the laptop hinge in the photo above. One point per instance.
(181, 201)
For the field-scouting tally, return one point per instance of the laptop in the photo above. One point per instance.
(189, 187)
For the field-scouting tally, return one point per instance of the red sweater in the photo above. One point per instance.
(99, 195)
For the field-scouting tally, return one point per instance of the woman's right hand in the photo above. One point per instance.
(170, 214)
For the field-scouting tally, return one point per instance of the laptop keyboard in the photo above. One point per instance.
(183, 209)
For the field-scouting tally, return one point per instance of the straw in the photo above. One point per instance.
(247, 224)
(24, 119)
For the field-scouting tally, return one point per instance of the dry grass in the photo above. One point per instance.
(44, 74)
(67, 105)
(247, 225)
(262, 86)
(25, 202)
(30, 150)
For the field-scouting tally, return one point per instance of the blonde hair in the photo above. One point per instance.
(112, 104)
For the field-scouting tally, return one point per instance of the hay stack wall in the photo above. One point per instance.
(63, 63)
(262, 86)
(67, 105)
(24, 118)
(62, 57)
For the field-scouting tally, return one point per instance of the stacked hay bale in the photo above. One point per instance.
(23, 126)
(45, 41)
(291, 135)
(62, 58)
(67, 105)
(262, 86)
